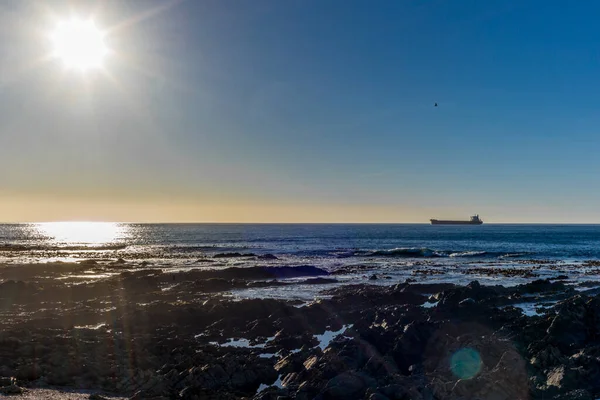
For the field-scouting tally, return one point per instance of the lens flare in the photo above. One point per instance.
(465, 363)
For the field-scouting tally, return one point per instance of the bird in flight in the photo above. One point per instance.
(435, 105)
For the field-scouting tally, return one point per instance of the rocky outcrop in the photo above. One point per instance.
(148, 334)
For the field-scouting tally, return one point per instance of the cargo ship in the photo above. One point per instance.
(475, 220)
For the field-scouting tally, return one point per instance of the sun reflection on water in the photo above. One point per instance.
(93, 233)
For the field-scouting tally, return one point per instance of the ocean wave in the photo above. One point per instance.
(424, 252)
(406, 252)
(513, 255)
(468, 254)
(200, 248)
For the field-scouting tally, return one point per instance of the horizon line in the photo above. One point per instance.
(284, 223)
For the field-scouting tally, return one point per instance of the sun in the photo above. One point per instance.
(79, 44)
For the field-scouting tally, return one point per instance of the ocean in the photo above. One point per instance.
(507, 254)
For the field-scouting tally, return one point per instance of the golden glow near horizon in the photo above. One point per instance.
(95, 233)
(79, 44)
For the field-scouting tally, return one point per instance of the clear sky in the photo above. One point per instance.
(312, 110)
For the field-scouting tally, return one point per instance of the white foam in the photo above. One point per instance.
(467, 254)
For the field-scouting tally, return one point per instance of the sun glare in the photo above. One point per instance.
(94, 233)
(79, 44)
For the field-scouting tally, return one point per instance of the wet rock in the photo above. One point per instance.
(348, 385)
(272, 393)
(568, 328)
(378, 396)
(95, 396)
(12, 390)
(233, 255)
(542, 285)
(18, 291)
(275, 272)
(548, 357)
(319, 281)
(395, 348)
(450, 299)
(467, 301)
(291, 363)
(6, 381)
(293, 342)
(381, 366)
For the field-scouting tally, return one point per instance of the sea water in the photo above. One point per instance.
(391, 252)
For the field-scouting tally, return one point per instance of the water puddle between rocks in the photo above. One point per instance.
(533, 309)
(241, 343)
(328, 336)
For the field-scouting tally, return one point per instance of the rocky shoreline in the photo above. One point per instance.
(142, 333)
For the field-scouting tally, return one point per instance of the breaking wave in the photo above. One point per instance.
(424, 252)
(406, 252)
(468, 254)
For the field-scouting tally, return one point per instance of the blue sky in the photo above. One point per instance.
(306, 111)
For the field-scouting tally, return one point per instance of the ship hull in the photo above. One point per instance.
(442, 222)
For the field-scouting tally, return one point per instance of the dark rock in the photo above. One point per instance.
(378, 396)
(578, 394)
(158, 337)
(541, 285)
(568, 328)
(424, 288)
(348, 385)
(95, 396)
(274, 272)
(410, 347)
(233, 255)
(451, 298)
(6, 381)
(378, 366)
(319, 281)
(548, 357)
(12, 390)
(467, 301)
(293, 342)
